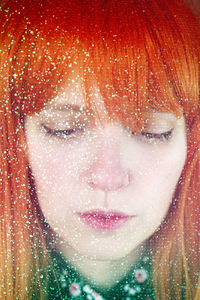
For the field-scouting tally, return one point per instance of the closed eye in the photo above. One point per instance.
(160, 136)
(61, 133)
(151, 137)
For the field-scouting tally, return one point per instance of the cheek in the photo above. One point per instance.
(56, 172)
(156, 173)
(169, 167)
(50, 162)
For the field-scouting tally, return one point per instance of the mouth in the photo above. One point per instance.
(104, 221)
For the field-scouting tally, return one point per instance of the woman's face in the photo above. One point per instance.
(102, 188)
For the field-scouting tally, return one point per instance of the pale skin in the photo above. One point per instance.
(103, 167)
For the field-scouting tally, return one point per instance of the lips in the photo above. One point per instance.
(104, 221)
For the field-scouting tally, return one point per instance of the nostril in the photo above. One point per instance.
(109, 181)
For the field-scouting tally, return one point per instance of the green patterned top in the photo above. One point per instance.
(67, 283)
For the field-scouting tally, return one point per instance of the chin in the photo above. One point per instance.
(101, 248)
(103, 253)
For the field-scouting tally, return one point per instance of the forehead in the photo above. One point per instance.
(81, 96)
(73, 93)
(75, 97)
(66, 106)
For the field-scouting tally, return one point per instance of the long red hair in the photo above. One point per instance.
(142, 54)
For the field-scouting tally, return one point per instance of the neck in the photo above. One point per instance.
(102, 273)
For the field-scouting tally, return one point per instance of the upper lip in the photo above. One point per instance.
(104, 214)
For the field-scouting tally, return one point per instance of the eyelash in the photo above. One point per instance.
(164, 136)
(149, 136)
(61, 134)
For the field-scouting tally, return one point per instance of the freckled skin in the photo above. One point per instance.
(105, 168)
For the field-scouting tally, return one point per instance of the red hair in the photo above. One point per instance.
(142, 54)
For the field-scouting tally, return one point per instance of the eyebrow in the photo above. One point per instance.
(162, 113)
(67, 107)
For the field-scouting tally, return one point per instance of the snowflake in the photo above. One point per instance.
(74, 289)
(140, 275)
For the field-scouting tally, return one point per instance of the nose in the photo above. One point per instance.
(105, 171)
(108, 176)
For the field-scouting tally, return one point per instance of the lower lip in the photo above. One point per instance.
(101, 221)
